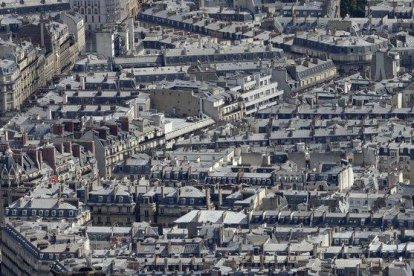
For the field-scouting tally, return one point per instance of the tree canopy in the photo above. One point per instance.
(355, 8)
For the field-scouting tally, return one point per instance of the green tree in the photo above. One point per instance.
(355, 8)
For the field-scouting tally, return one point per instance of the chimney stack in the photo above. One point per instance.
(208, 198)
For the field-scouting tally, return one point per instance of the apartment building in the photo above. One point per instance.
(98, 12)
(352, 53)
(112, 204)
(164, 205)
(49, 209)
(21, 73)
(31, 248)
(33, 6)
(257, 92)
(114, 142)
(385, 65)
(25, 67)
(303, 73)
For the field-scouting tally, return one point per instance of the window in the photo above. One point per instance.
(24, 213)
(71, 213)
(53, 213)
(14, 212)
(121, 199)
(33, 212)
(146, 214)
(191, 201)
(61, 213)
(40, 212)
(46, 213)
(100, 198)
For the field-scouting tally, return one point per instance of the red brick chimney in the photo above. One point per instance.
(77, 150)
(57, 129)
(113, 129)
(49, 155)
(124, 122)
(67, 146)
(102, 133)
(69, 126)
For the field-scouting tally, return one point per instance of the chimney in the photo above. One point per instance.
(221, 235)
(180, 265)
(48, 153)
(113, 129)
(82, 82)
(88, 145)
(265, 160)
(124, 121)
(42, 33)
(35, 155)
(59, 147)
(25, 138)
(67, 146)
(220, 197)
(69, 126)
(102, 133)
(208, 198)
(39, 158)
(86, 194)
(57, 129)
(76, 150)
(315, 250)
(49, 113)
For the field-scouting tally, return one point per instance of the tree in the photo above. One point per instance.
(3, 4)
(355, 8)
